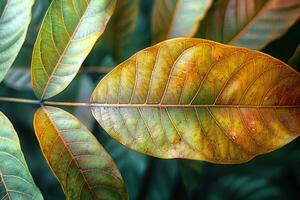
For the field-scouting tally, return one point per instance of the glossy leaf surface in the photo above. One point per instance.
(198, 99)
(250, 23)
(177, 18)
(15, 16)
(82, 166)
(15, 179)
(68, 33)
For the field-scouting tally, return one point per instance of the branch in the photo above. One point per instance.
(92, 69)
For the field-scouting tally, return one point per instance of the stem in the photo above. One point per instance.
(19, 100)
(91, 70)
(38, 102)
(58, 103)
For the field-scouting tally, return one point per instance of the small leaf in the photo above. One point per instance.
(177, 18)
(15, 179)
(252, 24)
(295, 59)
(68, 33)
(198, 99)
(82, 166)
(15, 16)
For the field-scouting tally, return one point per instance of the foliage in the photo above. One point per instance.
(187, 98)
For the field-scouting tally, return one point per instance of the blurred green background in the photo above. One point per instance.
(272, 176)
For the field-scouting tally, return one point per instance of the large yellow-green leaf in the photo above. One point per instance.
(15, 16)
(249, 23)
(198, 99)
(177, 18)
(82, 166)
(15, 179)
(68, 33)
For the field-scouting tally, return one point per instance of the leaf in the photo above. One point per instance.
(15, 179)
(192, 173)
(82, 166)
(252, 24)
(68, 33)
(295, 59)
(14, 21)
(132, 165)
(121, 27)
(18, 79)
(198, 99)
(245, 187)
(177, 18)
(163, 180)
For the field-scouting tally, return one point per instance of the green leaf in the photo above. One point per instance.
(177, 18)
(15, 179)
(252, 24)
(198, 99)
(295, 59)
(132, 165)
(121, 27)
(245, 187)
(15, 16)
(82, 166)
(163, 180)
(68, 33)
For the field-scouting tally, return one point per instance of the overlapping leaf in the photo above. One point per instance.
(82, 166)
(68, 33)
(15, 179)
(15, 16)
(237, 187)
(132, 165)
(119, 32)
(177, 18)
(295, 59)
(197, 99)
(250, 23)
(18, 79)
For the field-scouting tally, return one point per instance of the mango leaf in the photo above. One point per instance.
(295, 59)
(68, 33)
(121, 27)
(15, 179)
(15, 16)
(177, 18)
(82, 166)
(198, 99)
(252, 24)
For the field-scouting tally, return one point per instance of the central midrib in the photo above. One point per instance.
(64, 51)
(191, 105)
